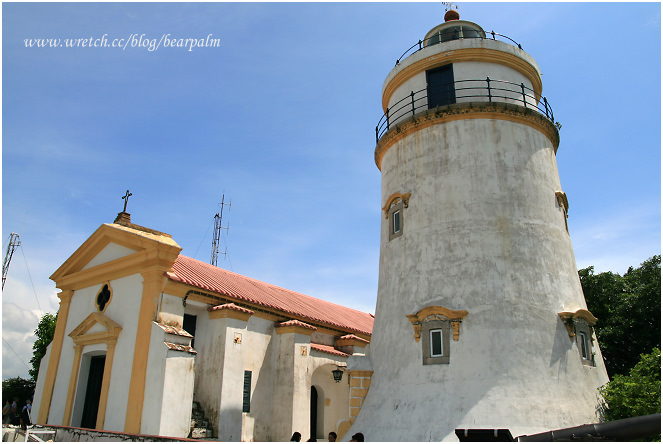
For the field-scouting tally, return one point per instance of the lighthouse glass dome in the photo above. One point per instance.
(453, 30)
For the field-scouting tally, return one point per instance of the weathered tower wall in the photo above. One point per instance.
(483, 254)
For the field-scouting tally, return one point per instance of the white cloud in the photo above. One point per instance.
(18, 325)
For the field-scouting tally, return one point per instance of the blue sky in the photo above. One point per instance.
(281, 118)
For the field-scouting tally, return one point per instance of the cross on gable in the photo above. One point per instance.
(126, 200)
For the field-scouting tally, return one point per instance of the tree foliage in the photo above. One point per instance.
(44, 333)
(20, 388)
(629, 311)
(635, 394)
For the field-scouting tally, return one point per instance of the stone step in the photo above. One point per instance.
(200, 432)
(199, 423)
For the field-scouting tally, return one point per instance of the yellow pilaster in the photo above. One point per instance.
(105, 384)
(54, 361)
(153, 282)
(78, 349)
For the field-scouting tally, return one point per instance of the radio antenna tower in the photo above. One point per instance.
(216, 236)
(14, 242)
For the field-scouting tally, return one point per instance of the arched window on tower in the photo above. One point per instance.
(393, 211)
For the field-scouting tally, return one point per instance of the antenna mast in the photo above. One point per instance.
(14, 241)
(216, 236)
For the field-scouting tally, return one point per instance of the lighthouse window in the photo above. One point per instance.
(396, 220)
(435, 336)
(436, 342)
(584, 341)
(441, 88)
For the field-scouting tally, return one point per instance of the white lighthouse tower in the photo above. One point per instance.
(481, 322)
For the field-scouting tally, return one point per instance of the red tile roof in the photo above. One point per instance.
(295, 322)
(230, 306)
(327, 349)
(180, 347)
(356, 338)
(241, 288)
(174, 330)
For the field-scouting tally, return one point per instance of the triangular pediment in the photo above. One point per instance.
(96, 328)
(110, 252)
(113, 251)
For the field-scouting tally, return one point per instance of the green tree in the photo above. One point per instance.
(44, 332)
(628, 309)
(20, 388)
(635, 394)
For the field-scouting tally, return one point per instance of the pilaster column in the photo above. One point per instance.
(230, 322)
(78, 349)
(153, 282)
(292, 383)
(105, 384)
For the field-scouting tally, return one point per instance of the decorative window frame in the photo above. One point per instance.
(97, 304)
(81, 338)
(563, 203)
(395, 205)
(579, 325)
(436, 318)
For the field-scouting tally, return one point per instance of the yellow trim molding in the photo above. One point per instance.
(455, 316)
(465, 111)
(464, 55)
(154, 280)
(404, 197)
(562, 200)
(568, 317)
(110, 298)
(81, 338)
(151, 250)
(54, 360)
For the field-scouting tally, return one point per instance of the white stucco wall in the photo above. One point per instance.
(154, 383)
(258, 358)
(177, 394)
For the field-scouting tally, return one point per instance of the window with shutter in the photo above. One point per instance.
(246, 404)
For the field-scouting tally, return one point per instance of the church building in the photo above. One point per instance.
(145, 335)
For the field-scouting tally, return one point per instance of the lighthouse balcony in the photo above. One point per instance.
(459, 32)
(467, 92)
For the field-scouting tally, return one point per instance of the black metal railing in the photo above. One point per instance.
(454, 34)
(487, 90)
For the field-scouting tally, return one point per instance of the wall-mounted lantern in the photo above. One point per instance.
(338, 374)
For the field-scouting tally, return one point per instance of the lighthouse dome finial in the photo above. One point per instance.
(451, 15)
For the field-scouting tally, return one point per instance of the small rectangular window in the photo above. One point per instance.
(246, 402)
(397, 222)
(436, 343)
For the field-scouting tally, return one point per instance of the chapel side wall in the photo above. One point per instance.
(209, 340)
(259, 348)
